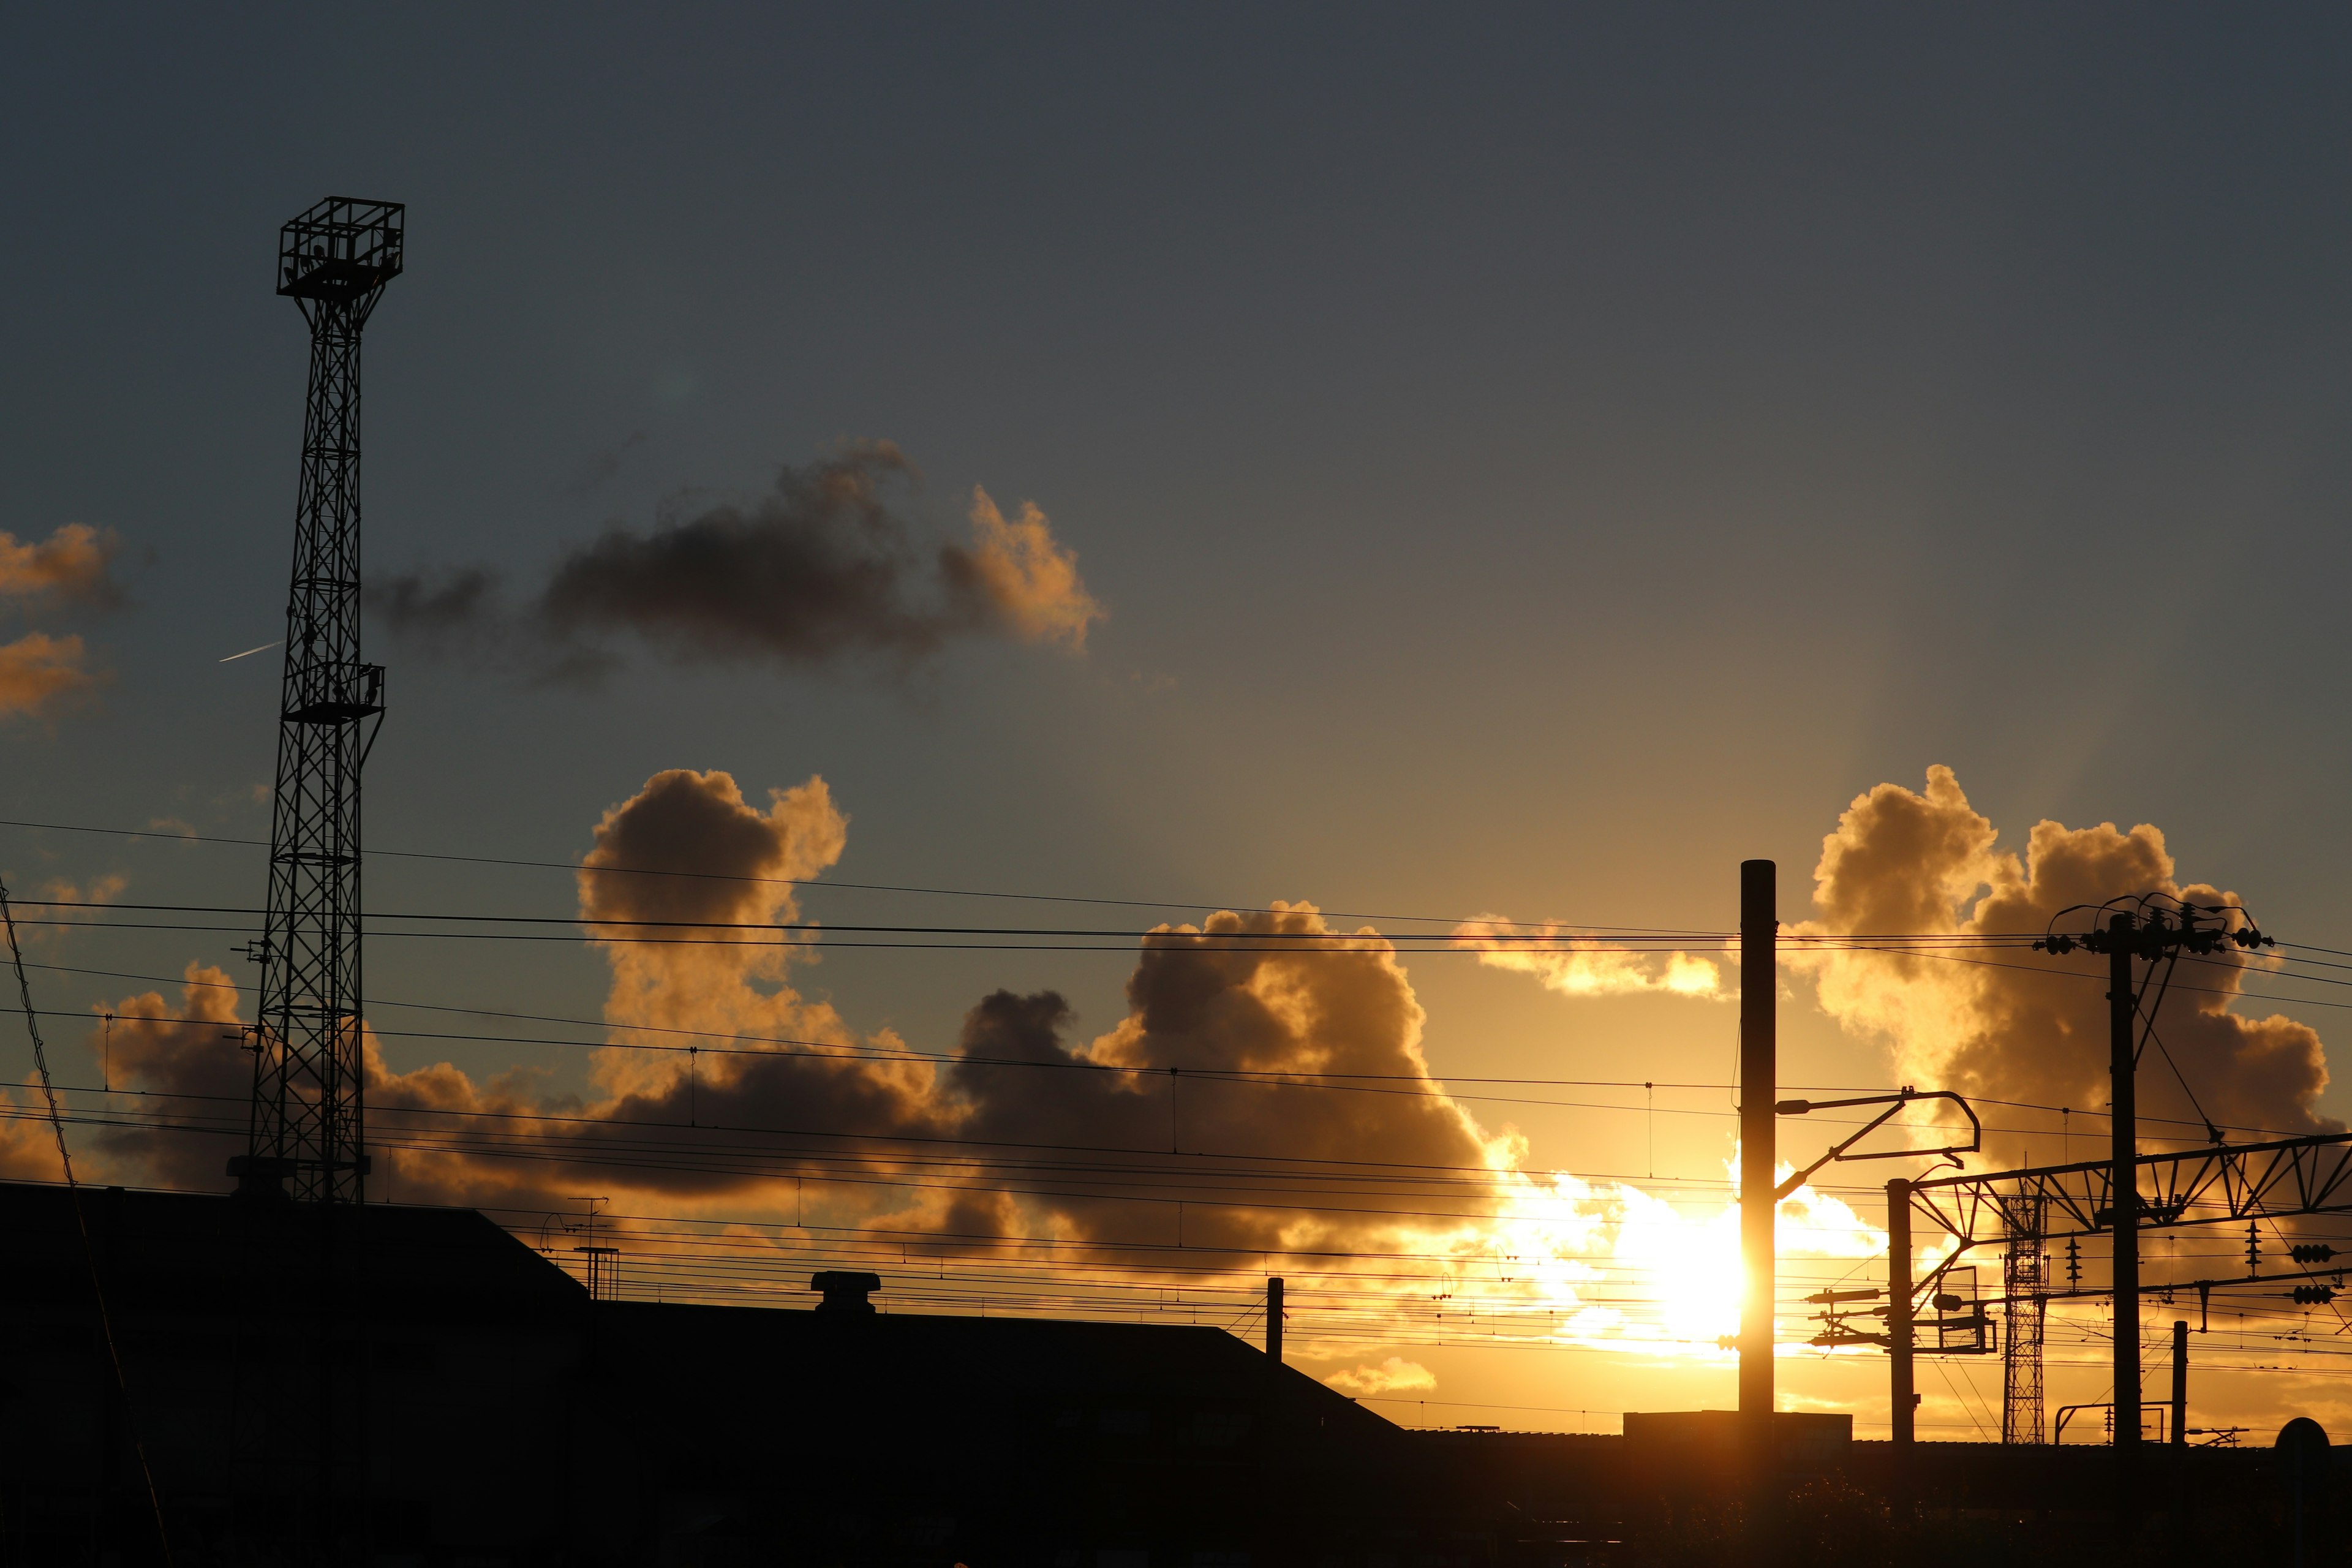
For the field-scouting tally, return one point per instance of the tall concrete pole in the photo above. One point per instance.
(1274, 1317)
(2123, 1010)
(1759, 1087)
(2123, 1185)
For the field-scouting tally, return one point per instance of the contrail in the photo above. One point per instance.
(253, 650)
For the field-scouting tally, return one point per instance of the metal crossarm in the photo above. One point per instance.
(1895, 1104)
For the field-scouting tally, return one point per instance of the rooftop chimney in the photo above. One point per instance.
(845, 1292)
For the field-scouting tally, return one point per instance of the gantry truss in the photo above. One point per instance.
(2233, 1183)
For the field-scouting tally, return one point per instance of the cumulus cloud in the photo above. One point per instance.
(196, 1047)
(771, 1073)
(1394, 1376)
(1311, 1026)
(38, 672)
(1578, 965)
(72, 563)
(820, 568)
(2033, 1027)
(1234, 1034)
(1257, 1092)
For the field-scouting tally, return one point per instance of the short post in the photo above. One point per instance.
(2179, 1381)
(1274, 1318)
(1900, 1389)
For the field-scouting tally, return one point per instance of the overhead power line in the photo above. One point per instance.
(1239, 907)
(837, 1051)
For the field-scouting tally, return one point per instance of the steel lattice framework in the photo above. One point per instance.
(307, 1126)
(2228, 1184)
(2025, 1283)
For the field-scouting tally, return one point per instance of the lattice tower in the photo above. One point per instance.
(2025, 1280)
(308, 1126)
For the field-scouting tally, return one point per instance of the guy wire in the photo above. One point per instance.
(81, 1222)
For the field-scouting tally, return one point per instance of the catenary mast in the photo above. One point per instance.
(307, 1127)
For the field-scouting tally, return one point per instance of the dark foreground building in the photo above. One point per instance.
(509, 1422)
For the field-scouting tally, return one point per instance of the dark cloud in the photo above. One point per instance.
(820, 568)
(604, 465)
(436, 604)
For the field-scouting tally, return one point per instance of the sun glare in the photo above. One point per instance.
(1617, 1267)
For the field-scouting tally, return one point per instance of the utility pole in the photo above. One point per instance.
(1760, 981)
(2141, 930)
(2123, 1072)
(1274, 1318)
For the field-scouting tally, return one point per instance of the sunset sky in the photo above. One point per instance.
(1428, 465)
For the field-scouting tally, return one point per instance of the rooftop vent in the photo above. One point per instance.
(845, 1292)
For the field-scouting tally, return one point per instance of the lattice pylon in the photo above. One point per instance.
(2025, 1281)
(308, 1122)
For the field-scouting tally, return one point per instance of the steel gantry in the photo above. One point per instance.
(2232, 1184)
(2246, 1184)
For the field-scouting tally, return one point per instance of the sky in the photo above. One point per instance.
(1513, 463)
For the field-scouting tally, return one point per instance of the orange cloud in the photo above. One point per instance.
(28, 1150)
(195, 1048)
(71, 563)
(1032, 578)
(1585, 966)
(1390, 1376)
(37, 672)
(724, 861)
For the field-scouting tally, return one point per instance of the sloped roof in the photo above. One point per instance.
(197, 1251)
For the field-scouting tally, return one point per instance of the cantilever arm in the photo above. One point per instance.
(1894, 1103)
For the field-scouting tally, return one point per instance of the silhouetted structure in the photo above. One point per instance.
(473, 1342)
(2024, 1283)
(520, 1422)
(333, 261)
(306, 1132)
(516, 1420)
